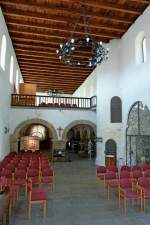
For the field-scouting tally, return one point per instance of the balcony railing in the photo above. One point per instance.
(19, 100)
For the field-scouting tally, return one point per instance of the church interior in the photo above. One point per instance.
(74, 112)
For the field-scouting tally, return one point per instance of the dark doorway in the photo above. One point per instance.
(110, 152)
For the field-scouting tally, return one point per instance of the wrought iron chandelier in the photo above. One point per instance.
(67, 51)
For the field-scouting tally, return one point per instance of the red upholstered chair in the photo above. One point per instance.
(36, 196)
(20, 179)
(62, 105)
(147, 173)
(47, 177)
(125, 168)
(136, 167)
(56, 105)
(113, 169)
(111, 181)
(144, 186)
(68, 105)
(8, 175)
(125, 174)
(127, 191)
(10, 167)
(136, 174)
(43, 104)
(74, 106)
(34, 175)
(145, 167)
(100, 172)
(50, 105)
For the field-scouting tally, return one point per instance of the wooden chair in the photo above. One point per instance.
(36, 196)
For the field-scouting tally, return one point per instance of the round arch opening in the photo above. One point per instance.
(82, 136)
(38, 129)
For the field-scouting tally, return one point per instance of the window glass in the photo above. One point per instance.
(11, 69)
(3, 52)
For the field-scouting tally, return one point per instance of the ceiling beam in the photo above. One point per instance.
(55, 70)
(73, 13)
(141, 1)
(50, 57)
(51, 52)
(41, 59)
(57, 34)
(52, 74)
(63, 27)
(43, 63)
(66, 9)
(53, 66)
(32, 38)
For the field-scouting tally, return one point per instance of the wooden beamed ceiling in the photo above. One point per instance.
(38, 27)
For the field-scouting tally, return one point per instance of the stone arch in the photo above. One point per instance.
(77, 122)
(16, 133)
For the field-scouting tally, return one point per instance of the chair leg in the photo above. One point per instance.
(144, 203)
(29, 211)
(119, 198)
(108, 192)
(125, 206)
(44, 208)
(141, 201)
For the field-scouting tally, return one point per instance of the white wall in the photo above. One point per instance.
(58, 118)
(88, 87)
(107, 87)
(5, 88)
(122, 76)
(135, 78)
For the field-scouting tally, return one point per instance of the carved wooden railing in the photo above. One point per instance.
(53, 102)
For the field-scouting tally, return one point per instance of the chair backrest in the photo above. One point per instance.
(125, 174)
(47, 173)
(145, 167)
(147, 173)
(137, 174)
(20, 174)
(112, 168)
(6, 173)
(144, 182)
(100, 169)
(136, 167)
(126, 183)
(125, 168)
(110, 175)
(33, 173)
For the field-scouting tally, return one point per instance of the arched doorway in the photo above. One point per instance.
(138, 134)
(42, 132)
(110, 152)
(80, 134)
(26, 128)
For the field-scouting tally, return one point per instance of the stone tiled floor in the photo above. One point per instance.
(78, 200)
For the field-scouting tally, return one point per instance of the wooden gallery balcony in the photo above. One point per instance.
(55, 102)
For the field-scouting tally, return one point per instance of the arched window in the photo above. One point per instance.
(11, 70)
(116, 110)
(144, 53)
(17, 80)
(140, 48)
(3, 52)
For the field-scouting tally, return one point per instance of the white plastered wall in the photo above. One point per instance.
(121, 76)
(6, 88)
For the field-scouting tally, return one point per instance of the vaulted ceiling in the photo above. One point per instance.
(38, 27)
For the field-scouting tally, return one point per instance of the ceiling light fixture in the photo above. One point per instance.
(69, 50)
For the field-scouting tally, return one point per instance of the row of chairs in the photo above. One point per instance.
(56, 105)
(131, 184)
(16, 170)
